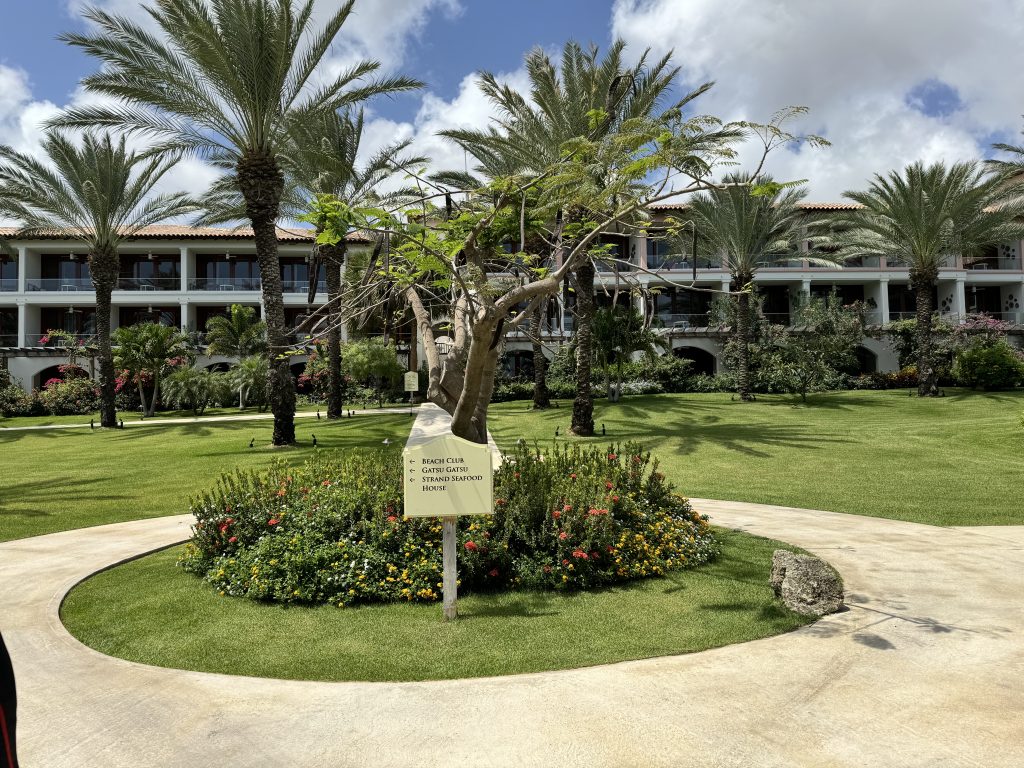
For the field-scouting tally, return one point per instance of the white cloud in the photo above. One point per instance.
(853, 65)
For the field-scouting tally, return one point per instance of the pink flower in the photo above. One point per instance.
(232, 540)
(556, 514)
(567, 508)
(563, 535)
(612, 457)
(391, 518)
(573, 475)
(493, 573)
(579, 554)
(273, 521)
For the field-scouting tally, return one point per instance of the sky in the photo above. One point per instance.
(887, 83)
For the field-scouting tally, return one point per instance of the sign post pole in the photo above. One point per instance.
(450, 574)
(412, 385)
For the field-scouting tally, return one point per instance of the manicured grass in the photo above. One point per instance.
(133, 416)
(957, 460)
(151, 612)
(54, 480)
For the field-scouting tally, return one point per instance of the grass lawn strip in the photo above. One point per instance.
(150, 612)
(955, 460)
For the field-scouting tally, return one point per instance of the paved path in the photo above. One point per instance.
(159, 422)
(925, 669)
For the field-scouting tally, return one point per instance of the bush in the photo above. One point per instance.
(642, 387)
(332, 531)
(14, 401)
(989, 365)
(195, 388)
(71, 397)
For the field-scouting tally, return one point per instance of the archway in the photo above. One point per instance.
(703, 361)
(867, 361)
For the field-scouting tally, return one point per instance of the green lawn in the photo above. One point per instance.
(151, 612)
(133, 416)
(54, 480)
(957, 460)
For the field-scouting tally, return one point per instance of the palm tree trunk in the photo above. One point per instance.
(334, 257)
(541, 396)
(743, 344)
(103, 267)
(923, 285)
(583, 405)
(261, 183)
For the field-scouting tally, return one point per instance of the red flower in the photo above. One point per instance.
(565, 562)
(500, 502)
(273, 521)
(567, 508)
(281, 492)
(615, 499)
(222, 527)
(547, 569)
(610, 548)
(471, 546)
(573, 475)
(556, 514)
(232, 540)
(563, 535)
(493, 573)
(612, 457)
(326, 482)
(608, 485)
(593, 555)
(579, 554)
(391, 518)
(515, 475)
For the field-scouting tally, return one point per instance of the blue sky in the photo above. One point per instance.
(887, 82)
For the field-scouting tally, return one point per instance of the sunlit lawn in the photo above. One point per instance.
(957, 460)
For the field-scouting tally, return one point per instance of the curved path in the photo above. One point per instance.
(925, 669)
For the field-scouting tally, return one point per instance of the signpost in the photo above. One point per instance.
(446, 477)
(412, 384)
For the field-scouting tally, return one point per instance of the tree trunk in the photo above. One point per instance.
(923, 285)
(334, 257)
(583, 405)
(469, 421)
(541, 396)
(103, 267)
(261, 182)
(743, 344)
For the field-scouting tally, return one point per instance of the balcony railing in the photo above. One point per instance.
(994, 263)
(897, 316)
(787, 264)
(9, 284)
(681, 264)
(224, 284)
(612, 265)
(60, 284)
(683, 321)
(149, 284)
(8, 339)
(302, 286)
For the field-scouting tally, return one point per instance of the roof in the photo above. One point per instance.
(810, 206)
(183, 232)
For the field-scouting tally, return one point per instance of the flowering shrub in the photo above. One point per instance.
(332, 531)
(70, 397)
(990, 365)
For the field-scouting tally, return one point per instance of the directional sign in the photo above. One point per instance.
(448, 476)
(412, 381)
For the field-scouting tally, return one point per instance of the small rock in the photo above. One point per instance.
(806, 584)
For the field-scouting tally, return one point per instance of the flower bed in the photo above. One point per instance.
(332, 530)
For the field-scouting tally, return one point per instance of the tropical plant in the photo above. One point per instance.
(149, 352)
(373, 361)
(585, 98)
(821, 344)
(925, 216)
(225, 80)
(752, 222)
(249, 378)
(195, 388)
(236, 335)
(619, 332)
(98, 193)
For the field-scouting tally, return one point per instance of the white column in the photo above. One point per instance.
(22, 321)
(22, 269)
(640, 242)
(959, 300)
(187, 268)
(183, 304)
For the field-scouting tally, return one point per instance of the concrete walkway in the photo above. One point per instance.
(157, 421)
(925, 669)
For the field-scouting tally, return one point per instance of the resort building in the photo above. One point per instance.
(183, 276)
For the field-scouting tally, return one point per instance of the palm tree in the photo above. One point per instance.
(586, 97)
(752, 223)
(99, 194)
(618, 333)
(237, 334)
(925, 216)
(249, 377)
(151, 351)
(224, 79)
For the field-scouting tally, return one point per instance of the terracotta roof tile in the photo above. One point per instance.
(808, 206)
(182, 232)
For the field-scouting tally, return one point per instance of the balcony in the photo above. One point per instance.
(224, 284)
(61, 284)
(683, 321)
(149, 284)
(994, 263)
(9, 284)
(895, 317)
(302, 286)
(8, 339)
(680, 264)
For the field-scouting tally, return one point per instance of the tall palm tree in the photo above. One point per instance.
(925, 216)
(224, 79)
(98, 193)
(237, 334)
(585, 97)
(751, 223)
